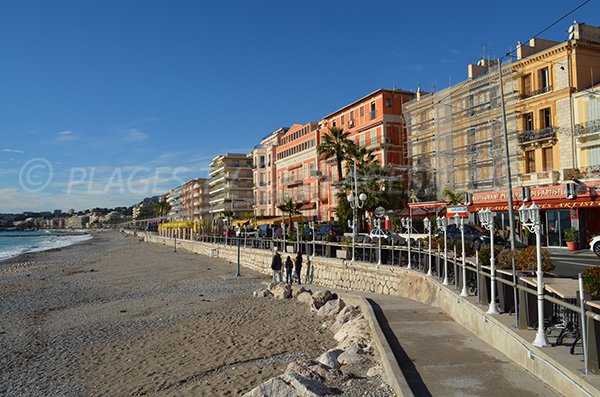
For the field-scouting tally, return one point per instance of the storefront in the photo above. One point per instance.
(562, 207)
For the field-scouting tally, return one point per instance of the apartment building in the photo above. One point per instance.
(374, 122)
(264, 174)
(174, 199)
(195, 206)
(456, 137)
(231, 185)
(297, 170)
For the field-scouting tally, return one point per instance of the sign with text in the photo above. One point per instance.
(461, 210)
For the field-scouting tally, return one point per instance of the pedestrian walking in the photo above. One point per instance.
(276, 266)
(298, 266)
(288, 270)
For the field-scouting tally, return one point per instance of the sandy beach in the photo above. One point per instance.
(117, 317)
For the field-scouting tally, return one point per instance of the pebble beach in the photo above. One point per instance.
(114, 316)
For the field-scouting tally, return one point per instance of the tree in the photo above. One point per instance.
(162, 208)
(291, 208)
(338, 146)
(453, 197)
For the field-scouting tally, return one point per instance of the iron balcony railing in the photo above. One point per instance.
(531, 93)
(589, 127)
(537, 135)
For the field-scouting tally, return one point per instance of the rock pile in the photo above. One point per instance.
(349, 369)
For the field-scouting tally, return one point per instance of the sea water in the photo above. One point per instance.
(17, 243)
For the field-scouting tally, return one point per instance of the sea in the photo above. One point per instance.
(13, 244)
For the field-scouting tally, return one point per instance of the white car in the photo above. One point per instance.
(595, 245)
(378, 233)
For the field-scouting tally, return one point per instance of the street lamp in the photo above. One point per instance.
(442, 223)
(427, 224)
(356, 201)
(311, 224)
(407, 224)
(486, 218)
(460, 222)
(530, 218)
(284, 239)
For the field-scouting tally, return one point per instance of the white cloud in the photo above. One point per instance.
(135, 135)
(12, 151)
(65, 136)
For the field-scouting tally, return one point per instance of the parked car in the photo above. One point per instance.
(330, 229)
(473, 234)
(595, 245)
(378, 233)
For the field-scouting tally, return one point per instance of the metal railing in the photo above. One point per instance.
(537, 135)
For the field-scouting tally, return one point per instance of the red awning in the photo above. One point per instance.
(308, 206)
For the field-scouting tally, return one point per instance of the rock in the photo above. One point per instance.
(289, 384)
(273, 284)
(305, 297)
(353, 355)
(262, 293)
(331, 308)
(312, 369)
(282, 291)
(298, 291)
(348, 313)
(357, 329)
(376, 370)
(327, 324)
(329, 358)
(321, 297)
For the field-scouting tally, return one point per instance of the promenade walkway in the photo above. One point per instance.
(441, 358)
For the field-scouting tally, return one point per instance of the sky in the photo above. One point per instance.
(103, 103)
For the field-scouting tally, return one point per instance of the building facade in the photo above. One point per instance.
(456, 136)
(195, 206)
(231, 186)
(265, 176)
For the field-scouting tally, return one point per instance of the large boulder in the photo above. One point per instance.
(321, 297)
(262, 293)
(282, 291)
(353, 355)
(331, 308)
(311, 369)
(329, 358)
(357, 329)
(348, 313)
(305, 297)
(289, 384)
(298, 291)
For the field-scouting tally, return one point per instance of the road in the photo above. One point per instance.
(570, 263)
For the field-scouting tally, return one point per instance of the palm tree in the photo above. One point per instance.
(453, 197)
(337, 145)
(291, 208)
(162, 208)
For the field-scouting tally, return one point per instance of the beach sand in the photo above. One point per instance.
(117, 317)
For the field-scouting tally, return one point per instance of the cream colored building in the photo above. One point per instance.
(231, 185)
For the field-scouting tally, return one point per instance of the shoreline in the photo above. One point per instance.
(33, 251)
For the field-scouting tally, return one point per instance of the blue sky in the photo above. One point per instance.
(106, 102)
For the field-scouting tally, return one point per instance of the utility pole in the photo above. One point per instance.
(511, 214)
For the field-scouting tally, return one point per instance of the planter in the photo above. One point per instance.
(572, 245)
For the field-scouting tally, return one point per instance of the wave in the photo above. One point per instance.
(39, 244)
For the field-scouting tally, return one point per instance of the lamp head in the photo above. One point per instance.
(350, 198)
(362, 197)
(427, 223)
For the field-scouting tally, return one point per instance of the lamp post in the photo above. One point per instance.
(486, 218)
(311, 224)
(226, 222)
(296, 226)
(530, 218)
(356, 201)
(427, 224)
(460, 222)
(407, 224)
(442, 223)
(377, 225)
(283, 235)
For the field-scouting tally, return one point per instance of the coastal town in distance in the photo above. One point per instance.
(416, 241)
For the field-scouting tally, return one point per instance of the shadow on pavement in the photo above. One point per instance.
(414, 380)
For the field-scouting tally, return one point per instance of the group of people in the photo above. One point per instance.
(292, 268)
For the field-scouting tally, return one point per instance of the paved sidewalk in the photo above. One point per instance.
(441, 358)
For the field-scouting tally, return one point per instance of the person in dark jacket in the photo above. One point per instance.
(298, 266)
(276, 267)
(288, 270)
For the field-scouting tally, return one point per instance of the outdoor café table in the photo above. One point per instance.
(564, 288)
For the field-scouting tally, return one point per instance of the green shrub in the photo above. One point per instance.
(504, 258)
(526, 260)
(571, 234)
(591, 281)
(485, 255)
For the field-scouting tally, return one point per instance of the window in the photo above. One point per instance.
(546, 118)
(528, 122)
(373, 110)
(544, 80)
(388, 103)
(547, 159)
(593, 155)
(362, 111)
(526, 85)
(342, 120)
(333, 123)
(529, 161)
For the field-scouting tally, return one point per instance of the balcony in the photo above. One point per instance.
(539, 178)
(584, 130)
(292, 182)
(537, 136)
(533, 93)
(590, 172)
